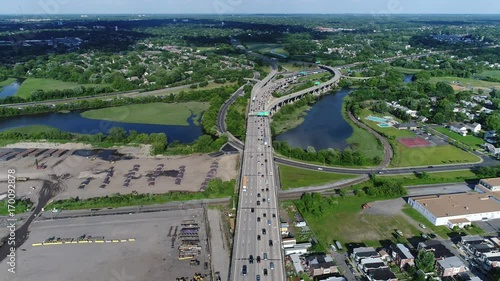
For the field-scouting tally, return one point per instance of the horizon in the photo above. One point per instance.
(254, 7)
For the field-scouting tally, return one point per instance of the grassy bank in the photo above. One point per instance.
(216, 189)
(153, 113)
(6, 82)
(291, 120)
(491, 73)
(33, 84)
(292, 177)
(363, 141)
(432, 178)
(406, 70)
(33, 129)
(266, 48)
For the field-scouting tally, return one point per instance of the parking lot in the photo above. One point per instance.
(143, 252)
(432, 138)
(87, 174)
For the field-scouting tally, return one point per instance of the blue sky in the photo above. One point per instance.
(248, 6)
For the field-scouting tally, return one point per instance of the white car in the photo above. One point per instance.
(422, 226)
(321, 169)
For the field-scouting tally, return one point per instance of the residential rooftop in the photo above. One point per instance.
(402, 251)
(451, 262)
(449, 205)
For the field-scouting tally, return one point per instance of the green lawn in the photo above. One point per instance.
(315, 77)
(406, 70)
(291, 121)
(152, 113)
(266, 48)
(464, 82)
(7, 82)
(423, 156)
(472, 141)
(32, 84)
(292, 177)
(491, 73)
(33, 129)
(347, 223)
(433, 178)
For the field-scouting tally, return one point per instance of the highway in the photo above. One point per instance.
(257, 252)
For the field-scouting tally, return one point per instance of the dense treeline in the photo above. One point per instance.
(488, 172)
(236, 114)
(346, 157)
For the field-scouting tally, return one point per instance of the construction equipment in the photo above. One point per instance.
(39, 166)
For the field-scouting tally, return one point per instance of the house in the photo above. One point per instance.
(320, 265)
(333, 278)
(490, 137)
(371, 263)
(491, 148)
(384, 255)
(289, 242)
(362, 253)
(407, 126)
(475, 127)
(382, 274)
(401, 255)
(440, 251)
(284, 228)
(297, 264)
(490, 259)
(422, 119)
(458, 128)
(450, 266)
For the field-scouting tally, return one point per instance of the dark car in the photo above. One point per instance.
(265, 271)
(258, 194)
(258, 219)
(258, 203)
(257, 278)
(258, 259)
(264, 215)
(270, 243)
(250, 259)
(252, 210)
(274, 215)
(264, 231)
(258, 237)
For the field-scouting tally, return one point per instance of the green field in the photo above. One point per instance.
(406, 70)
(291, 121)
(347, 223)
(472, 141)
(7, 82)
(32, 84)
(433, 178)
(422, 156)
(33, 129)
(266, 48)
(153, 113)
(292, 177)
(491, 73)
(465, 82)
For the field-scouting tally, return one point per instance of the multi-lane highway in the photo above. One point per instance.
(257, 253)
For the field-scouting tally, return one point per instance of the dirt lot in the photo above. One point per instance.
(150, 257)
(93, 170)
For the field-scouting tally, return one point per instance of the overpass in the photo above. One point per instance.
(276, 104)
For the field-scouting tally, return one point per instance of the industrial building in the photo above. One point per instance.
(457, 209)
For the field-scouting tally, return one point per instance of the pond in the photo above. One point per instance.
(74, 123)
(11, 89)
(323, 127)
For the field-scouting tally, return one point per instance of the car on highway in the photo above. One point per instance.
(422, 226)
(258, 195)
(274, 215)
(258, 203)
(257, 278)
(271, 265)
(265, 271)
(263, 231)
(258, 259)
(258, 237)
(252, 210)
(250, 259)
(269, 222)
(321, 169)
(264, 256)
(264, 215)
(258, 219)
(270, 243)
(244, 270)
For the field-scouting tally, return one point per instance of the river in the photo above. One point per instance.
(323, 127)
(74, 123)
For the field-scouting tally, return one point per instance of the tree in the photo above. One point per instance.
(117, 134)
(425, 261)
(493, 121)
